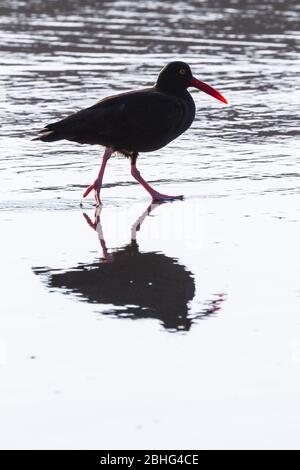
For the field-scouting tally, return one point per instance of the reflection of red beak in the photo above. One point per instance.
(207, 89)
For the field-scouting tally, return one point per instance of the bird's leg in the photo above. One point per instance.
(137, 225)
(156, 196)
(96, 225)
(98, 181)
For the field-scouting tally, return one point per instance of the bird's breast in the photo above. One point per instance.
(188, 113)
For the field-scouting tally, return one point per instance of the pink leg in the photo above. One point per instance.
(156, 196)
(96, 225)
(98, 181)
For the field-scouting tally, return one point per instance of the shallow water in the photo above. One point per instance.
(212, 359)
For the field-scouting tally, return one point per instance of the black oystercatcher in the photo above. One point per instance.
(136, 121)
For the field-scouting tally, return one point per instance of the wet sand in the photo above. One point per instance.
(164, 326)
(78, 372)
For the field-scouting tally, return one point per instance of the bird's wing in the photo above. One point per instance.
(147, 113)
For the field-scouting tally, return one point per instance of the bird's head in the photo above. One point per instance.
(177, 77)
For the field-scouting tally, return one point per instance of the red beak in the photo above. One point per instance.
(207, 89)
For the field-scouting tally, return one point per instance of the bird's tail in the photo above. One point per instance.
(47, 136)
(66, 128)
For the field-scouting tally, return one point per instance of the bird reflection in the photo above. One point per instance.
(137, 284)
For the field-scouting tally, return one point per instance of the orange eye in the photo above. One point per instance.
(182, 71)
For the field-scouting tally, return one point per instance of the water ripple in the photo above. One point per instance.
(58, 59)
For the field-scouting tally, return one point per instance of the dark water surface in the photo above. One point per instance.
(214, 358)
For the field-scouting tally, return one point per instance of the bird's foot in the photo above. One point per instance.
(164, 197)
(96, 221)
(96, 186)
